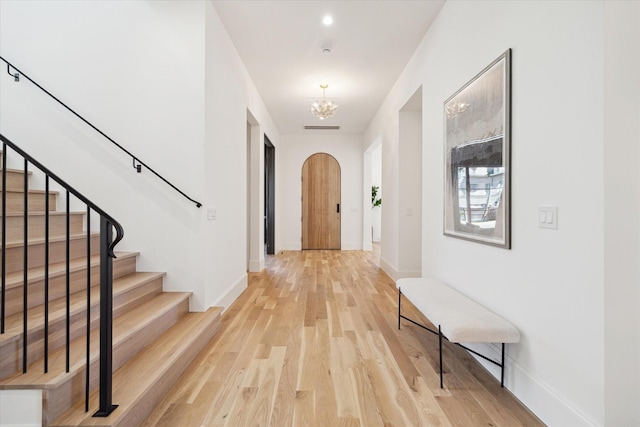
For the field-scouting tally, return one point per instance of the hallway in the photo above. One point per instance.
(313, 340)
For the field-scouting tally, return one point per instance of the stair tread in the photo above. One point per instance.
(30, 191)
(16, 170)
(57, 308)
(34, 274)
(41, 241)
(42, 213)
(123, 327)
(140, 374)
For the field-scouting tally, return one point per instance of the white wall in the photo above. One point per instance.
(550, 284)
(410, 195)
(390, 182)
(621, 208)
(164, 80)
(230, 93)
(291, 153)
(256, 198)
(116, 64)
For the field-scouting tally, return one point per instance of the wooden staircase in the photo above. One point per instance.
(155, 337)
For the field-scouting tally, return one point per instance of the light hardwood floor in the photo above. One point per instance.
(313, 341)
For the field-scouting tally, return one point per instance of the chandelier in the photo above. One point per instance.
(323, 109)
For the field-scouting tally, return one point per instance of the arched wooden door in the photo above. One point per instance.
(321, 202)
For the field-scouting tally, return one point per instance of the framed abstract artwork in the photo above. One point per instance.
(477, 139)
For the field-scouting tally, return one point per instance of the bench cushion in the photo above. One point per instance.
(460, 319)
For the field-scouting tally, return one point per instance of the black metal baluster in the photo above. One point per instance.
(25, 275)
(68, 287)
(46, 274)
(106, 318)
(399, 305)
(502, 368)
(88, 362)
(440, 352)
(107, 244)
(4, 231)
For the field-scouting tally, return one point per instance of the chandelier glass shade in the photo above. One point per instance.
(323, 109)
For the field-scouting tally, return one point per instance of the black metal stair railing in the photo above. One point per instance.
(137, 163)
(107, 244)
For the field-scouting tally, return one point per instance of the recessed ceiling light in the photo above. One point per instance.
(327, 20)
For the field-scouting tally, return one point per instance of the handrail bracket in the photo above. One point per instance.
(16, 76)
(137, 166)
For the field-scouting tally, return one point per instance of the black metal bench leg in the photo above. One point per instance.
(440, 349)
(502, 368)
(399, 298)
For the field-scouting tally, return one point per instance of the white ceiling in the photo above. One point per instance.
(281, 42)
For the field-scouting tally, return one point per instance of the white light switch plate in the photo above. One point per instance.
(548, 217)
(211, 214)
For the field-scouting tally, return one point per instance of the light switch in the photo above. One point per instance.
(211, 214)
(409, 212)
(542, 216)
(548, 217)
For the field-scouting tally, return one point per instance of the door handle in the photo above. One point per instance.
(338, 208)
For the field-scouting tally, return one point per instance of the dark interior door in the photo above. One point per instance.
(269, 195)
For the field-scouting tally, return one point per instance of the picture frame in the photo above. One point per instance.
(477, 142)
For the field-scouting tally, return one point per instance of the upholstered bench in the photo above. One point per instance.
(458, 318)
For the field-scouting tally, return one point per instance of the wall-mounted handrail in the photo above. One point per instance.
(137, 163)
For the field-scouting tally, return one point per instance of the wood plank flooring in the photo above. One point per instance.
(313, 341)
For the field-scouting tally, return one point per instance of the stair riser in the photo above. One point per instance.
(15, 180)
(123, 266)
(58, 285)
(57, 253)
(11, 351)
(36, 226)
(145, 405)
(36, 202)
(60, 399)
(130, 300)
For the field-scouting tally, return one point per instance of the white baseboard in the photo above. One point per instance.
(541, 399)
(232, 293)
(291, 246)
(407, 273)
(351, 246)
(394, 273)
(389, 269)
(256, 265)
